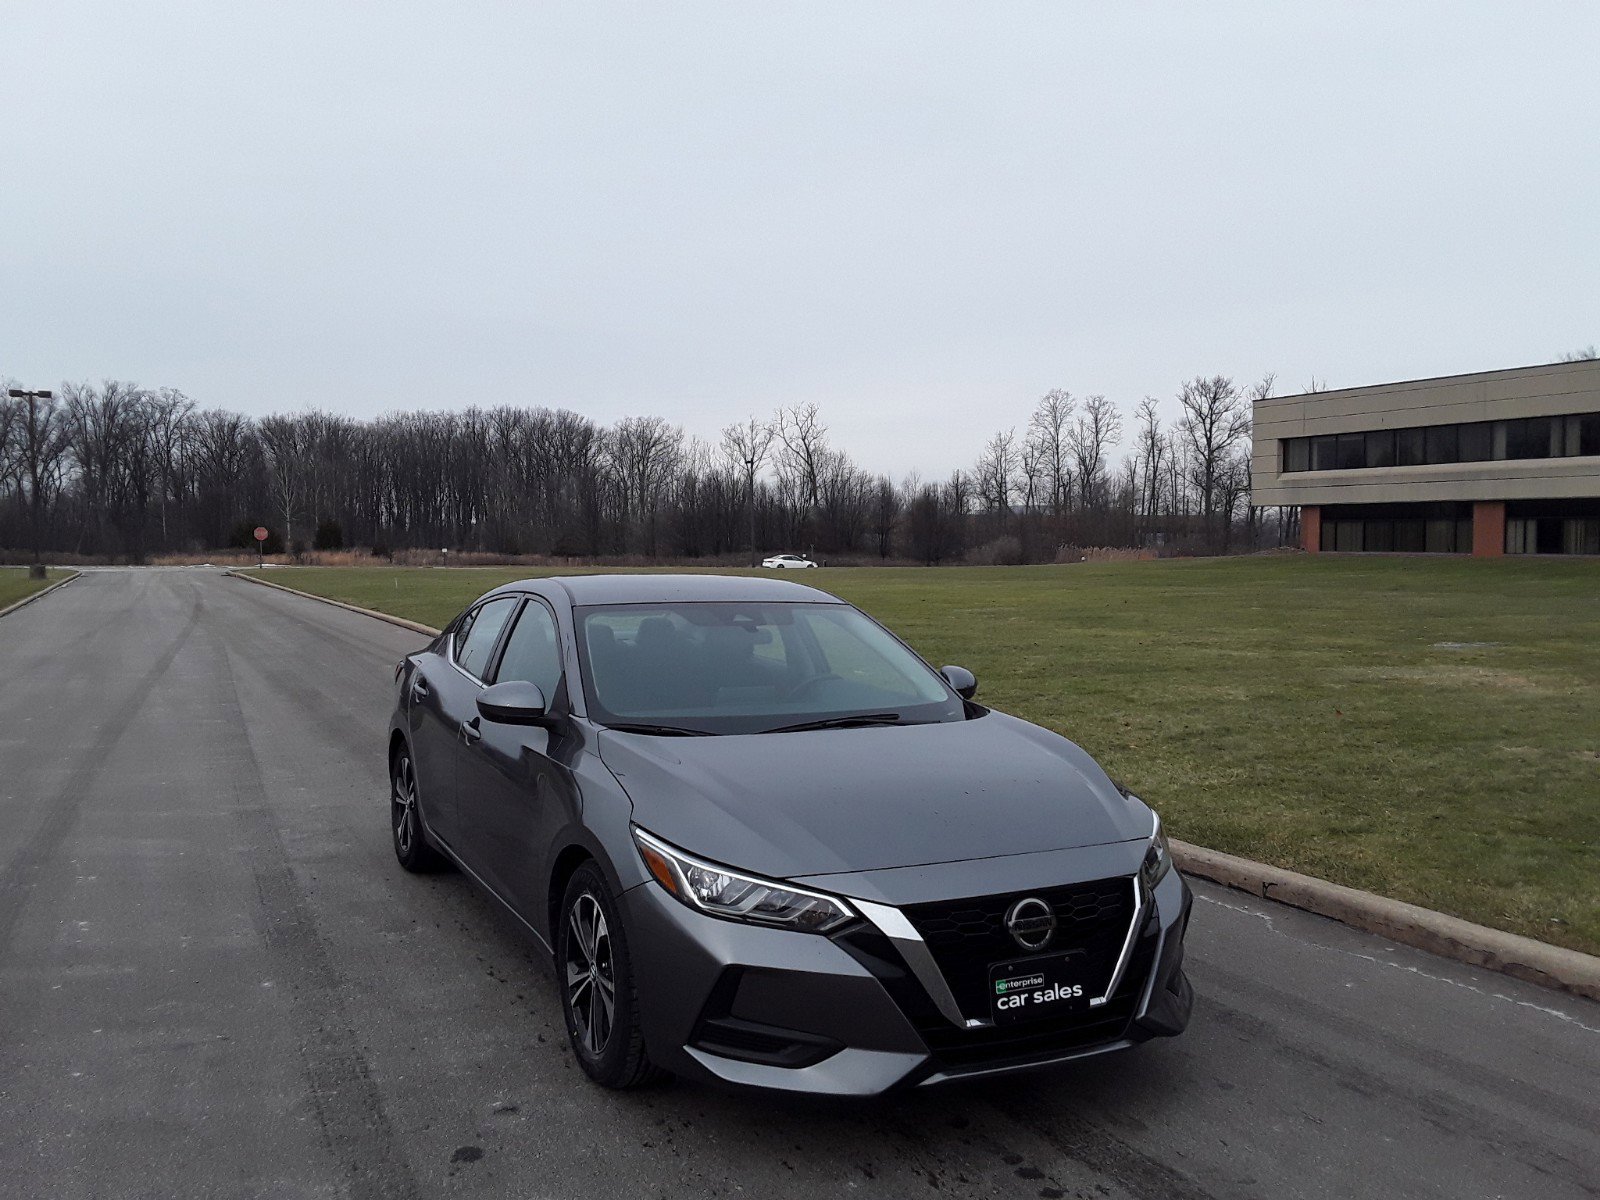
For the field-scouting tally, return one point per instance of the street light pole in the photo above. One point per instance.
(33, 398)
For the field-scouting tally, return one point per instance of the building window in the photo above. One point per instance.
(1588, 436)
(1352, 451)
(1534, 437)
(1441, 538)
(1581, 535)
(1380, 448)
(1406, 528)
(1476, 442)
(1440, 444)
(1432, 445)
(1522, 536)
(1409, 448)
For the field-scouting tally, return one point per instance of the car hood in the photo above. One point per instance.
(843, 800)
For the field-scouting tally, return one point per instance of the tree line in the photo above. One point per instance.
(127, 472)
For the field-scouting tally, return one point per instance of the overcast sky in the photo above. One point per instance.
(920, 216)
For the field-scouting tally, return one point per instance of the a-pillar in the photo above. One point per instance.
(1488, 529)
(1311, 529)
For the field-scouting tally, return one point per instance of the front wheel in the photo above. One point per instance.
(597, 992)
(405, 820)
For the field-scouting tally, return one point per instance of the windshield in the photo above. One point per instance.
(750, 668)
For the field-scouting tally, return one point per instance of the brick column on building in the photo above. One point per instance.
(1311, 529)
(1488, 529)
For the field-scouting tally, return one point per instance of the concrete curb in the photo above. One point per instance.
(414, 626)
(1449, 937)
(39, 595)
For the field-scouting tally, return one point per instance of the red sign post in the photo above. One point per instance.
(261, 549)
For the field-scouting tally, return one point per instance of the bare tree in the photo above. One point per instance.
(933, 522)
(885, 514)
(643, 453)
(285, 441)
(802, 437)
(1587, 354)
(41, 441)
(225, 458)
(10, 423)
(1097, 429)
(1239, 477)
(1215, 418)
(1049, 433)
(746, 445)
(168, 428)
(1150, 449)
(994, 474)
(105, 437)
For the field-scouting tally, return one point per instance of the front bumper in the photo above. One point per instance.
(847, 1015)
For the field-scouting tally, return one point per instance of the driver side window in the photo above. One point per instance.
(533, 653)
(476, 638)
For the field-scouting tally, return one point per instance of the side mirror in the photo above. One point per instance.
(514, 702)
(962, 680)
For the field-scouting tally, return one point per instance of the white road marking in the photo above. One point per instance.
(1410, 970)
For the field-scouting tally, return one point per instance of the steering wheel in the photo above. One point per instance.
(805, 685)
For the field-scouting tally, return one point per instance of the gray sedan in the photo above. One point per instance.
(765, 843)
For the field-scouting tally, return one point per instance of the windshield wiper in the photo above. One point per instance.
(860, 719)
(661, 730)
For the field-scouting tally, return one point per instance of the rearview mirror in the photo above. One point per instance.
(962, 680)
(515, 702)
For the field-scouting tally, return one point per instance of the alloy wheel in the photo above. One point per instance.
(591, 979)
(404, 801)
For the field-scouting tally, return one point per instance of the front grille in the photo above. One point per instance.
(966, 937)
(958, 1050)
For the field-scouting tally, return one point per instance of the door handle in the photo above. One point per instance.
(419, 688)
(470, 732)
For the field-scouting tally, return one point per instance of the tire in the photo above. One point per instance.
(405, 818)
(598, 996)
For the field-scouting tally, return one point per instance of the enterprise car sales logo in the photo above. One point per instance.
(1031, 923)
(1011, 997)
(1002, 986)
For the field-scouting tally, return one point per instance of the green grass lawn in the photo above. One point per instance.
(1424, 728)
(15, 584)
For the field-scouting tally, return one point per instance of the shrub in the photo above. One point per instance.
(1004, 551)
(329, 536)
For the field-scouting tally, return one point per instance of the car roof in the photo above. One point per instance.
(669, 589)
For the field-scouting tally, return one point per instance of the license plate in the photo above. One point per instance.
(1027, 989)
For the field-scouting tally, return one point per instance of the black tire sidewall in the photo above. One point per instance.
(421, 857)
(612, 1066)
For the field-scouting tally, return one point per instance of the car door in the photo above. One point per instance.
(513, 792)
(453, 701)
(433, 735)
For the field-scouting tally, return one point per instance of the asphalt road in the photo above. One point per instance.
(214, 980)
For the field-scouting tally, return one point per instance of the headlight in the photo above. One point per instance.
(736, 896)
(1157, 859)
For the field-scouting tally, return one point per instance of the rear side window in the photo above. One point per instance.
(531, 653)
(458, 636)
(476, 638)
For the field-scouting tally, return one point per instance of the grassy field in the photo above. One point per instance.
(1424, 728)
(15, 584)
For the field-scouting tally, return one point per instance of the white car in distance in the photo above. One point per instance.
(781, 562)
